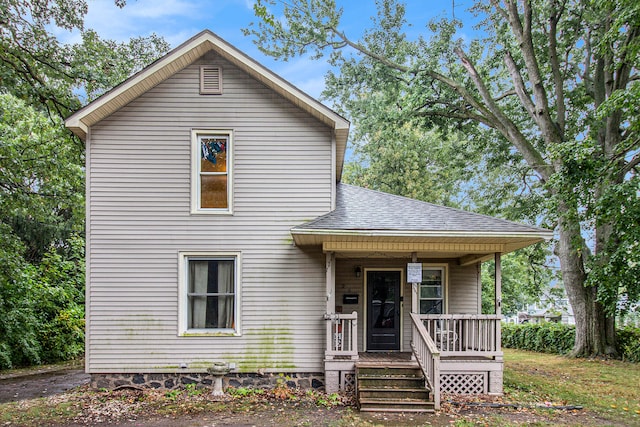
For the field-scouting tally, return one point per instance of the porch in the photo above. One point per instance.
(457, 354)
(404, 276)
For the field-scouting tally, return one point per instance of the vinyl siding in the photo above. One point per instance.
(139, 220)
(463, 291)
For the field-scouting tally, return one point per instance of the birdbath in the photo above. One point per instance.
(218, 370)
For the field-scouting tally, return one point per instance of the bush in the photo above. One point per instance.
(554, 338)
(628, 343)
(558, 338)
(41, 306)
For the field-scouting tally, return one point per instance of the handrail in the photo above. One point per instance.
(427, 355)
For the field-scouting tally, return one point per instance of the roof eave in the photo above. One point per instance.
(542, 234)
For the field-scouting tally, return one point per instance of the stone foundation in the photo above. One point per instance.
(179, 380)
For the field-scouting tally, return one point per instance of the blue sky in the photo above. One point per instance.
(178, 20)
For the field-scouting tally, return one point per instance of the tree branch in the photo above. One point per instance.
(555, 64)
(523, 33)
(518, 84)
(635, 161)
(505, 125)
(360, 48)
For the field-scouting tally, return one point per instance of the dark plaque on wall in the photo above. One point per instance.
(350, 299)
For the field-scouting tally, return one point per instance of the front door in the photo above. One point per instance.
(383, 310)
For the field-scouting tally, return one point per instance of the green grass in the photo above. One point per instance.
(32, 414)
(609, 388)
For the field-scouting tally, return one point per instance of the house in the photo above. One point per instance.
(218, 231)
(553, 306)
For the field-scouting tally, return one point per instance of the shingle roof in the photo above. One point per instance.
(360, 209)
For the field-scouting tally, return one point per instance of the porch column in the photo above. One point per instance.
(495, 380)
(331, 282)
(498, 284)
(331, 374)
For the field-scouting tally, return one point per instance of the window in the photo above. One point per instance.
(212, 160)
(432, 290)
(209, 296)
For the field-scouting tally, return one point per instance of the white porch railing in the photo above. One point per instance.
(342, 335)
(427, 355)
(464, 334)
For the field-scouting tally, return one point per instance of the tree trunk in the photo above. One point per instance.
(591, 322)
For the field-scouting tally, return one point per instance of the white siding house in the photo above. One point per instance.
(218, 231)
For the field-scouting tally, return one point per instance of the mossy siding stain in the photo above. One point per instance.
(272, 348)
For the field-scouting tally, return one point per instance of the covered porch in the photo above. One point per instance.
(403, 276)
(435, 323)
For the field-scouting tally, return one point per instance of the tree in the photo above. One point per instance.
(36, 67)
(42, 170)
(539, 92)
(41, 178)
(525, 279)
(406, 161)
(41, 227)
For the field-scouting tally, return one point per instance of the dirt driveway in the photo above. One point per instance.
(29, 384)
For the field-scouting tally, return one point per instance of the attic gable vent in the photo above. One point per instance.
(210, 80)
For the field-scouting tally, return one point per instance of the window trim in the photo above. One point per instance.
(196, 134)
(183, 288)
(445, 284)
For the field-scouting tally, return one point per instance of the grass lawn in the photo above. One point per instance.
(609, 388)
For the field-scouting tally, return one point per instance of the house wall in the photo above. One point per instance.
(463, 290)
(139, 219)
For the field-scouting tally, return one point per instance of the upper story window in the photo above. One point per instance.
(211, 171)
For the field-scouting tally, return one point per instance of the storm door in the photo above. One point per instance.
(383, 310)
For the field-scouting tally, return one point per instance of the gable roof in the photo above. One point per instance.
(368, 215)
(186, 54)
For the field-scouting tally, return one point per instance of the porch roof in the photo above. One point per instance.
(367, 221)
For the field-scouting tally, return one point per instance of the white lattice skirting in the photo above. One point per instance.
(469, 383)
(347, 381)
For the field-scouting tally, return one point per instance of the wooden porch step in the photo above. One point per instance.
(395, 405)
(421, 394)
(390, 382)
(392, 387)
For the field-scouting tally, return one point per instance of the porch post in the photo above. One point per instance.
(498, 284)
(496, 377)
(415, 289)
(331, 375)
(331, 282)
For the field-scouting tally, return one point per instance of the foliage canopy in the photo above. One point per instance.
(547, 91)
(42, 170)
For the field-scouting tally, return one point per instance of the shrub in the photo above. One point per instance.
(628, 343)
(544, 337)
(41, 306)
(558, 338)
